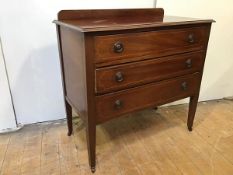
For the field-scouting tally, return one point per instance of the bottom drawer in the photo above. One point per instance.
(111, 105)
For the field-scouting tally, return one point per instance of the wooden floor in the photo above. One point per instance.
(148, 143)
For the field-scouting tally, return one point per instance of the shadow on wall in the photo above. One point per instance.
(222, 83)
(38, 100)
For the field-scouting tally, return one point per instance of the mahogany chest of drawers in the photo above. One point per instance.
(116, 62)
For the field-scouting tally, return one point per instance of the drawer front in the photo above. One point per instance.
(112, 105)
(149, 44)
(132, 74)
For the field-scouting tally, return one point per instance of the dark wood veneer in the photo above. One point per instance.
(145, 96)
(155, 43)
(115, 62)
(142, 72)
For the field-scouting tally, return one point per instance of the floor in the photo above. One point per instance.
(149, 143)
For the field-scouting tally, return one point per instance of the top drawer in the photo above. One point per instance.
(142, 45)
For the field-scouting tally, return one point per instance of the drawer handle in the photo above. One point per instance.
(118, 47)
(191, 39)
(118, 104)
(119, 77)
(184, 86)
(188, 63)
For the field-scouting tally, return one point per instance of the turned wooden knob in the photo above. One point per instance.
(188, 63)
(191, 38)
(118, 104)
(118, 47)
(119, 77)
(184, 86)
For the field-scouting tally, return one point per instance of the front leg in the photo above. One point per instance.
(192, 110)
(91, 144)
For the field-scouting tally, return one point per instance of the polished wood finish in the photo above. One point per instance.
(145, 96)
(89, 21)
(155, 43)
(145, 14)
(90, 89)
(116, 62)
(74, 68)
(131, 74)
(192, 110)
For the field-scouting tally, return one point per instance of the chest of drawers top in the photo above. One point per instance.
(120, 19)
(126, 35)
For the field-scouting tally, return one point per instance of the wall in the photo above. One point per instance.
(7, 117)
(30, 47)
(217, 80)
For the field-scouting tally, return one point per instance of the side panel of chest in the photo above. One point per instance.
(74, 65)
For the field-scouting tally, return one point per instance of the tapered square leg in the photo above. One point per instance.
(69, 118)
(91, 145)
(192, 110)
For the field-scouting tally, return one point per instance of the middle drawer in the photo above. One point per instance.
(128, 75)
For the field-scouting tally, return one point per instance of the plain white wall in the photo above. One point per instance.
(218, 75)
(7, 116)
(30, 47)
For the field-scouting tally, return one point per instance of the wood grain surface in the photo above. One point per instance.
(143, 72)
(145, 96)
(150, 44)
